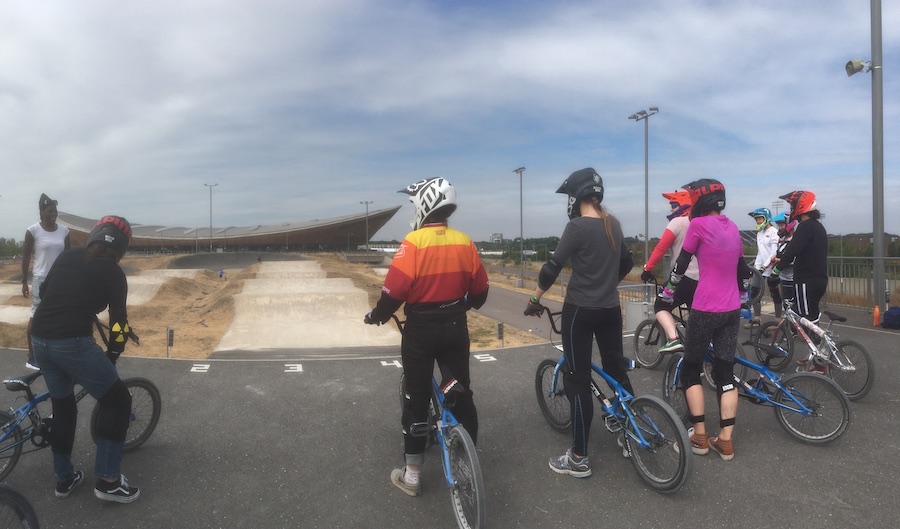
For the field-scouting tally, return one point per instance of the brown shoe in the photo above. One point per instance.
(699, 442)
(722, 447)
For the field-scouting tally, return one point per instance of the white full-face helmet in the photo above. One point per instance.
(428, 196)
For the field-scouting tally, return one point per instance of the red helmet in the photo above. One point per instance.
(683, 201)
(801, 202)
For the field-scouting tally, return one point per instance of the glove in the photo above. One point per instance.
(534, 309)
(113, 356)
(776, 271)
(745, 297)
(647, 276)
(668, 293)
(369, 320)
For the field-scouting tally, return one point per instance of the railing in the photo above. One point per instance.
(850, 281)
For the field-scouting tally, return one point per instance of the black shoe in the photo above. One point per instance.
(117, 491)
(64, 488)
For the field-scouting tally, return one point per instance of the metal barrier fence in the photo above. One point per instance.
(850, 281)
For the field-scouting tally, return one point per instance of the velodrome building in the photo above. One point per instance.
(338, 233)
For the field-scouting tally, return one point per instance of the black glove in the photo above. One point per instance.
(369, 320)
(534, 309)
(647, 276)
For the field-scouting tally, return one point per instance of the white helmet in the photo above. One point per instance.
(428, 196)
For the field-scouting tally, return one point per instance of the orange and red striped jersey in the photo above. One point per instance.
(434, 270)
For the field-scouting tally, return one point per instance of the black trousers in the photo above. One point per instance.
(423, 344)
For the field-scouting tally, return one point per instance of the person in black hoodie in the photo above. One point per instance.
(81, 283)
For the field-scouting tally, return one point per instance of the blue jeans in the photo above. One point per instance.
(64, 363)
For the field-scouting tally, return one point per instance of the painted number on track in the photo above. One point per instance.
(484, 358)
(200, 368)
(392, 363)
(293, 368)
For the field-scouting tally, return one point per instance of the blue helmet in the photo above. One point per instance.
(781, 218)
(764, 213)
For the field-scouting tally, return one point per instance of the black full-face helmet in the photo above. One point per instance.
(707, 195)
(112, 231)
(580, 184)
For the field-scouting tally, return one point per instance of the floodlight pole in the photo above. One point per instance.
(521, 282)
(210, 186)
(366, 203)
(644, 115)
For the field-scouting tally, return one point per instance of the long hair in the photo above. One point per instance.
(610, 220)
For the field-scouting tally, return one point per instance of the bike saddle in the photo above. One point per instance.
(770, 350)
(21, 383)
(834, 317)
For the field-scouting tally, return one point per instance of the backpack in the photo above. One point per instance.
(891, 318)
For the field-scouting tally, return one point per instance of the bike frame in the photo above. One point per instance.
(615, 408)
(443, 427)
(29, 410)
(796, 324)
(755, 391)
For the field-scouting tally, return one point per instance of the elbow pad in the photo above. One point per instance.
(549, 273)
(118, 335)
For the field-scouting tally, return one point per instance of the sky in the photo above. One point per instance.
(303, 109)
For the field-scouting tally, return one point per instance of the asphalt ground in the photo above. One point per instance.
(295, 438)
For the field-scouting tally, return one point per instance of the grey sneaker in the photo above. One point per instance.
(620, 440)
(672, 345)
(398, 478)
(65, 487)
(117, 491)
(568, 464)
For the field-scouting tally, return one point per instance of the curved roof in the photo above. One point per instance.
(336, 231)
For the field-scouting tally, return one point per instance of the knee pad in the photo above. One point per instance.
(115, 413)
(65, 415)
(690, 374)
(723, 376)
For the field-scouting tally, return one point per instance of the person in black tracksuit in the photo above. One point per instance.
(808, 250)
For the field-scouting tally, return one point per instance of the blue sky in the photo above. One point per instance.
(299, 110)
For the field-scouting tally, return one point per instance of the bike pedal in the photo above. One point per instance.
(612, 423)
(418, 429)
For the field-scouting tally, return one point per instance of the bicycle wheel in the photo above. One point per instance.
(554, 404)
(648, 338)
(146, 406)
(15, 509)
(468, 486)
(673, 388)
(10, 447)
(830, 407)
(857, 382)
(756, 278)
(776, 333)
(739, 369)
(661, 465)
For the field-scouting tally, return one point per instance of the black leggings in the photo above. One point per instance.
(580, 327)
(424, 343)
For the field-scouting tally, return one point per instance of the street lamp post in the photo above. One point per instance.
(210, 186)
(366, 203)
(521, 282)
(874, 67)
(644, 115)
(286, 231)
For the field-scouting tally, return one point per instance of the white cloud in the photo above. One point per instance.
(299, 110)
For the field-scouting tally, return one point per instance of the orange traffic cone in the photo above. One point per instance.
(877, 316)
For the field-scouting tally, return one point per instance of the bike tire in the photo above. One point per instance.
(829, 403)
(739, 369)
(16, 511)
(11, 448)
(146, 407)
(756, 276)
(554, 404)
(673, 388)
(776, 333)
(662, 466)
(648, 338)
(858, 383)
(467, 493)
